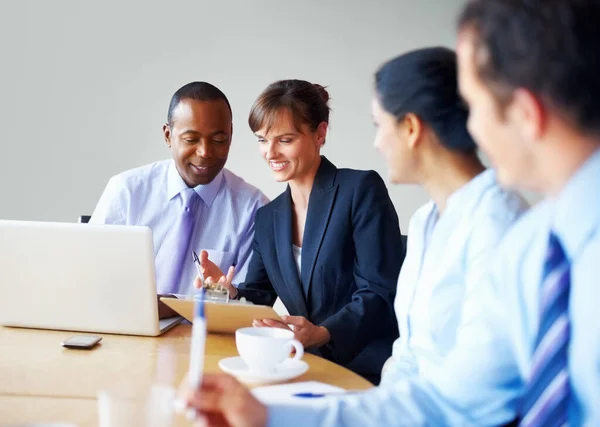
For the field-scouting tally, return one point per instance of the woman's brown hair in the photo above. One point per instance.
(305, 101)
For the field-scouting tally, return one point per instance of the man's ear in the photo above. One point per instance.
(528, 113)
(167, 134)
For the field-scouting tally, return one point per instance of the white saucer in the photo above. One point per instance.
(286, 370)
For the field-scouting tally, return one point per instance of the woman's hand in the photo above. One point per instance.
(309, 334)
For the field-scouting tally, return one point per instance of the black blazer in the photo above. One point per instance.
(351, 257)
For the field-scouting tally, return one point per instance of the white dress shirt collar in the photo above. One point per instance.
(576, 214)
(462, 199)
(176, 184)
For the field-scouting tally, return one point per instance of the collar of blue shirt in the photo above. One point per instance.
(576, 213)
(176, 184)
(463, 197)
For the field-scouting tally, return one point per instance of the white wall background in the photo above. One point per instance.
(85, 85)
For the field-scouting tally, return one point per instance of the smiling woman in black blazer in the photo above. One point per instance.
(330, 245)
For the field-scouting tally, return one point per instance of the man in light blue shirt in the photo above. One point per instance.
(198, 132)
(528, 351)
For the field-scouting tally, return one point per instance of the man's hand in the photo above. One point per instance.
(309, 334)
(212, 273)
(164, 310)
(223, 401)
(209, 269)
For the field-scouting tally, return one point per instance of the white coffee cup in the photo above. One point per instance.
(264, 348)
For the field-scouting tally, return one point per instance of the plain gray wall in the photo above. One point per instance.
(85, 85)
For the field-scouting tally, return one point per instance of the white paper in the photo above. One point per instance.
(284, 393)
(280, 308)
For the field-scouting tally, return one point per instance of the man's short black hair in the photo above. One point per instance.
(549, 47)
(197, 91)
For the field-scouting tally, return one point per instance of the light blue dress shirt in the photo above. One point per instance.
(446, 259)
(481, 380)
(149, 195)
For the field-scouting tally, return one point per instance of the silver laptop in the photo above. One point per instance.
(79, 277)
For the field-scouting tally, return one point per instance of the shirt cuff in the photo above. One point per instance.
(293, 416)
(237, 292)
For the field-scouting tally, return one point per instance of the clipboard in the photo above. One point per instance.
(223, 318)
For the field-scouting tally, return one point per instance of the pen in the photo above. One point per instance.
(309, 395)
(198, 266)
(197, 350)
(312, 395)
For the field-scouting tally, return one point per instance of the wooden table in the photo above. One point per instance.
(42, 381)
(29, 409)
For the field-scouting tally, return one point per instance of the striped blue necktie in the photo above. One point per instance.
(546, 398)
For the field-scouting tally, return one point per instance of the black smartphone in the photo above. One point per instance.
(81, 341)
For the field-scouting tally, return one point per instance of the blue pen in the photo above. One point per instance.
(309, 395)
(197, 349)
